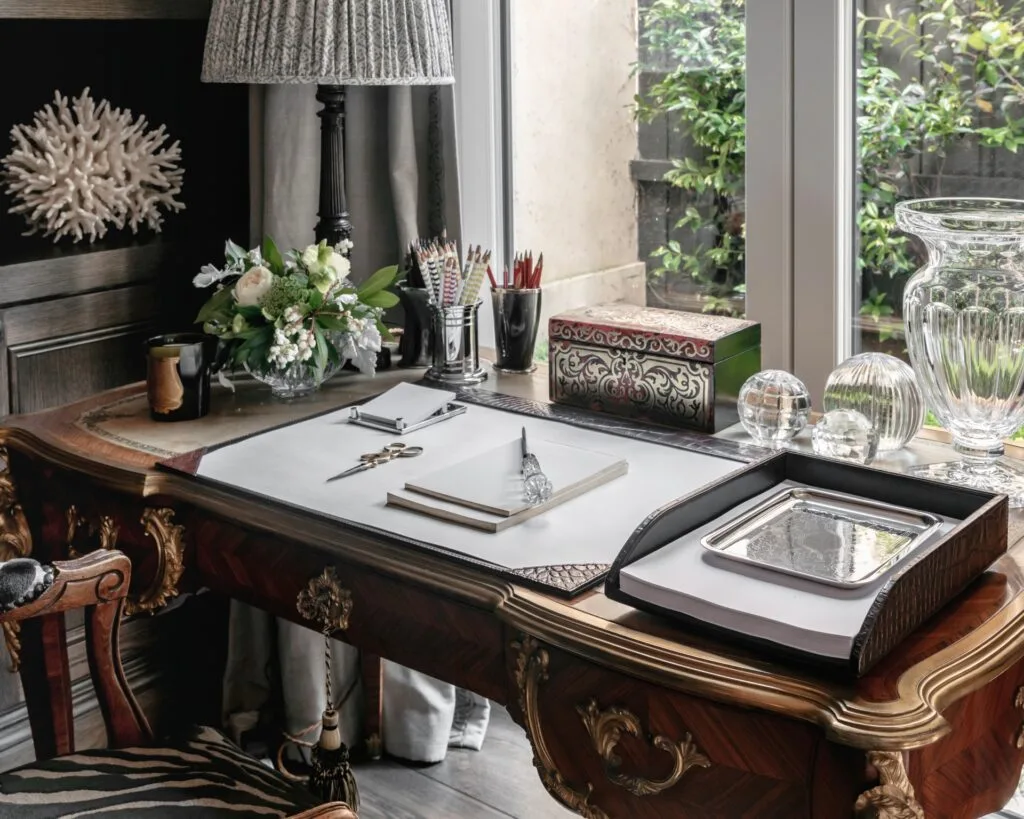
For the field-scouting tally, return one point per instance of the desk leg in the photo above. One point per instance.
(894, 796)
(372, 671)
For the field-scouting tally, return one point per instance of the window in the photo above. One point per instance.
(758, 170)
(940, 112)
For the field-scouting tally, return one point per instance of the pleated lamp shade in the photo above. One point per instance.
(329, 42)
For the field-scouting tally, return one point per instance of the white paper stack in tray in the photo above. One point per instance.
(486, 490)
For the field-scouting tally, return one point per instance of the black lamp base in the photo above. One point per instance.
(333, 225)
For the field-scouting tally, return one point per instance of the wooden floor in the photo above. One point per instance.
(494, 783)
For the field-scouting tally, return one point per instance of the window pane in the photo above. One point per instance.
(628, 149)
(939, 113)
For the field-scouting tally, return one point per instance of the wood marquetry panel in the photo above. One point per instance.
(975, 770)
(758, 766)
(448, 640)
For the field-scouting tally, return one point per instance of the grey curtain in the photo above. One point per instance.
(402, 182)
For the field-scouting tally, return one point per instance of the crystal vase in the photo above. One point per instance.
(295, 380)
(964, 315)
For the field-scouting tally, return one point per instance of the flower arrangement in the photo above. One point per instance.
(297, 312)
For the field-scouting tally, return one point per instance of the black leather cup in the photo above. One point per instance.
(516, 321)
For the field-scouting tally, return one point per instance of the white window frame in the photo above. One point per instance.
(800, 64)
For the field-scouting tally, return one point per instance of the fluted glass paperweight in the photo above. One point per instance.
(964, 313)
(845, 434)
(773, 406)
(884, 390)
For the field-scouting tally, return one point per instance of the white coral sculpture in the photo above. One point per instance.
(76, 170)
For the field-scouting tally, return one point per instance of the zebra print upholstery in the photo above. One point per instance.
(204, 776)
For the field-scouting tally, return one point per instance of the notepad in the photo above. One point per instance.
(407, 402)
(491, 481)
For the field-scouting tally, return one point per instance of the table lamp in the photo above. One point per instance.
(332, 43)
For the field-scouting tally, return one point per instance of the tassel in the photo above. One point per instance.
(332, 779)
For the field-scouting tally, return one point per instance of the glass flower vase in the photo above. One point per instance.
(294, 381)
(964, 315)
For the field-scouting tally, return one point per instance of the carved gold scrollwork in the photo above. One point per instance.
(15, 541)
(106, 532)
(893, 798)
(605, 729)
(169, 539)
(325, 602)
(1018, 703)
(530, 671)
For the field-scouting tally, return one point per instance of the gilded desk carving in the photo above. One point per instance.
(325, 602)
(531, 670)
(105, 531)
(169, 539)
(606, 728)
(894, 796)
(15, 541)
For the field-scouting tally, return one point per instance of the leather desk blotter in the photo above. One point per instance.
(564, 551)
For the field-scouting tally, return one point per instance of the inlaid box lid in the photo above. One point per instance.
(671, 333)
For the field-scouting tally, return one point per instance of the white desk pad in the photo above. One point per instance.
(290, 465)
(790, 611)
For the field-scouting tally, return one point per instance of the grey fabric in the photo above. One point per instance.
(334, 42)
(401, 182)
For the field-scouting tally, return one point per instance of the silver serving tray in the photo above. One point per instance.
(827, 537)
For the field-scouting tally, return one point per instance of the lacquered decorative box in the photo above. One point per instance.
(664, 366)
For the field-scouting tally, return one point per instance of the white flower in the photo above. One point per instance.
(340, 265)
(361, 347)
(292, 315)
(253, 286)
(344, 247)
(208, 274)
(311, 256)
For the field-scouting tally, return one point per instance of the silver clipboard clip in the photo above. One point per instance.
(398, 426)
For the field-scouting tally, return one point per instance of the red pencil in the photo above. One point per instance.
(490, 275)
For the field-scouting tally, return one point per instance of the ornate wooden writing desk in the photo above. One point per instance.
(628, 716)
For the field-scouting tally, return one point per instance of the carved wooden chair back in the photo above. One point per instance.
(36, 598)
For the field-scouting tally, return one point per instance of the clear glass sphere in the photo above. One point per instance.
(845, 433)
(884, 390)
(773, 406)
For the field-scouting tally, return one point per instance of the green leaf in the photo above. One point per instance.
(320, 351)
(331, 321)
(316, 299)
(218, 305)
(382, 298)
(233, 252)
(272, 256)
(976, 40)
(377, 282)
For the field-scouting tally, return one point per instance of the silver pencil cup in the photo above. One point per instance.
(456, 354)
(516, 320)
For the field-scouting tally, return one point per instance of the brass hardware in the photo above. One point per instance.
(106, 532)
(893, 798)
(325, 602)
(170, 552)
(530, 671)
(1018, 703)
(605, 729)
(15, 541)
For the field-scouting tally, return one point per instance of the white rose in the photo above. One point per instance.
(340, 265)
(311, 256)
(253, 286)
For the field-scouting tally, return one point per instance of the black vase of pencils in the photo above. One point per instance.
(516, 303)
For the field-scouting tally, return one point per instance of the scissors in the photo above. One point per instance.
(372, 459)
